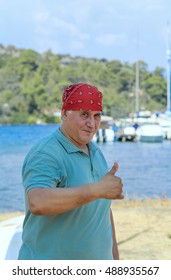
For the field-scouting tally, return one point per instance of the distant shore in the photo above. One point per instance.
(143, 228)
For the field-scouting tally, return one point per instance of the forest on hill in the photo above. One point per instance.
(31, 84)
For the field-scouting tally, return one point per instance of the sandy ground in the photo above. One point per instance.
(143, 229)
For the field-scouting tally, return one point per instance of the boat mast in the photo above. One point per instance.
(137, 79)
(137, 88)
(168, 68)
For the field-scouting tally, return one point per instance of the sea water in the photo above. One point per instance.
(145, 168)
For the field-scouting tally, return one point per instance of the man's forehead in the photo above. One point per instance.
(90, 112)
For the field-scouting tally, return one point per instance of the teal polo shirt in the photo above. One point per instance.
(84, 233)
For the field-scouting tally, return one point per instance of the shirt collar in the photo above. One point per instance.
(69, 146)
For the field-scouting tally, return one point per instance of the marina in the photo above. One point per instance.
(147, 127)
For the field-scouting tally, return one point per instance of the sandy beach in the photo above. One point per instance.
(143, 228)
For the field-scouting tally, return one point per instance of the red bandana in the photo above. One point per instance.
(81, 96)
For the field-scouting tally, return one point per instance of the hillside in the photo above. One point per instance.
(31, 84)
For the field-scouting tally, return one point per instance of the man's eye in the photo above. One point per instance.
(98, 117)
(84, 115)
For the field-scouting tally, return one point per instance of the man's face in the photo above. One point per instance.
(80, 126)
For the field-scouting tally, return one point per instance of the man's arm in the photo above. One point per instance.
(52, 201)
(115, 245)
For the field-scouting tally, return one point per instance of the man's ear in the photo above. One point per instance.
(64, 114)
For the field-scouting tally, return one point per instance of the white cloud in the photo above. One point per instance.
(77, 45)
(109, 39)
(41, 16)
(58, 34)
(69, 29)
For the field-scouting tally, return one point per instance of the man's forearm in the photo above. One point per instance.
(48, 201)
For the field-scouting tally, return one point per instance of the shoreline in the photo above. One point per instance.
(143, 228)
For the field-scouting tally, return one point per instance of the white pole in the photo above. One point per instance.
(137, 77)
(168, 82)
(137, 88)
(168, 68)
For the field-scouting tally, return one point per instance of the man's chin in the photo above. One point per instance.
(87, 138)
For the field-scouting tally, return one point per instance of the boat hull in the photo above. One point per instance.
(151, 139)
(151, 133)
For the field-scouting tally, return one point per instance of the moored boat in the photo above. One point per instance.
(105, 132)
(127, 133)
(151, 133)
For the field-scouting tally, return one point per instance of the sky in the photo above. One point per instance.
(124, 30)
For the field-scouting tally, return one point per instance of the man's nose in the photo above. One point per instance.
(91, 122)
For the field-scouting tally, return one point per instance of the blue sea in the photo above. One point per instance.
(145, 168)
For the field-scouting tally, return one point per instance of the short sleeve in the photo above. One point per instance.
(41, 170)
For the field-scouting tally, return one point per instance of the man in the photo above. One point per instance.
(69, 189)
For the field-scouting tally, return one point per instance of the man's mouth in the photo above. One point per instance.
(89, 131)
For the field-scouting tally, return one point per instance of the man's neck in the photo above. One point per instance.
(83, 147)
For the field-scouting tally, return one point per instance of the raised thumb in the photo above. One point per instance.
(114, 168)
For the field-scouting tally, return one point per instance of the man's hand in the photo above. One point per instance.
(111, 185)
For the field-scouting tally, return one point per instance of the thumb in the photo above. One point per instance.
(114, 168)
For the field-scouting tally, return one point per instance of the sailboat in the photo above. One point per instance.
(149, 129)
